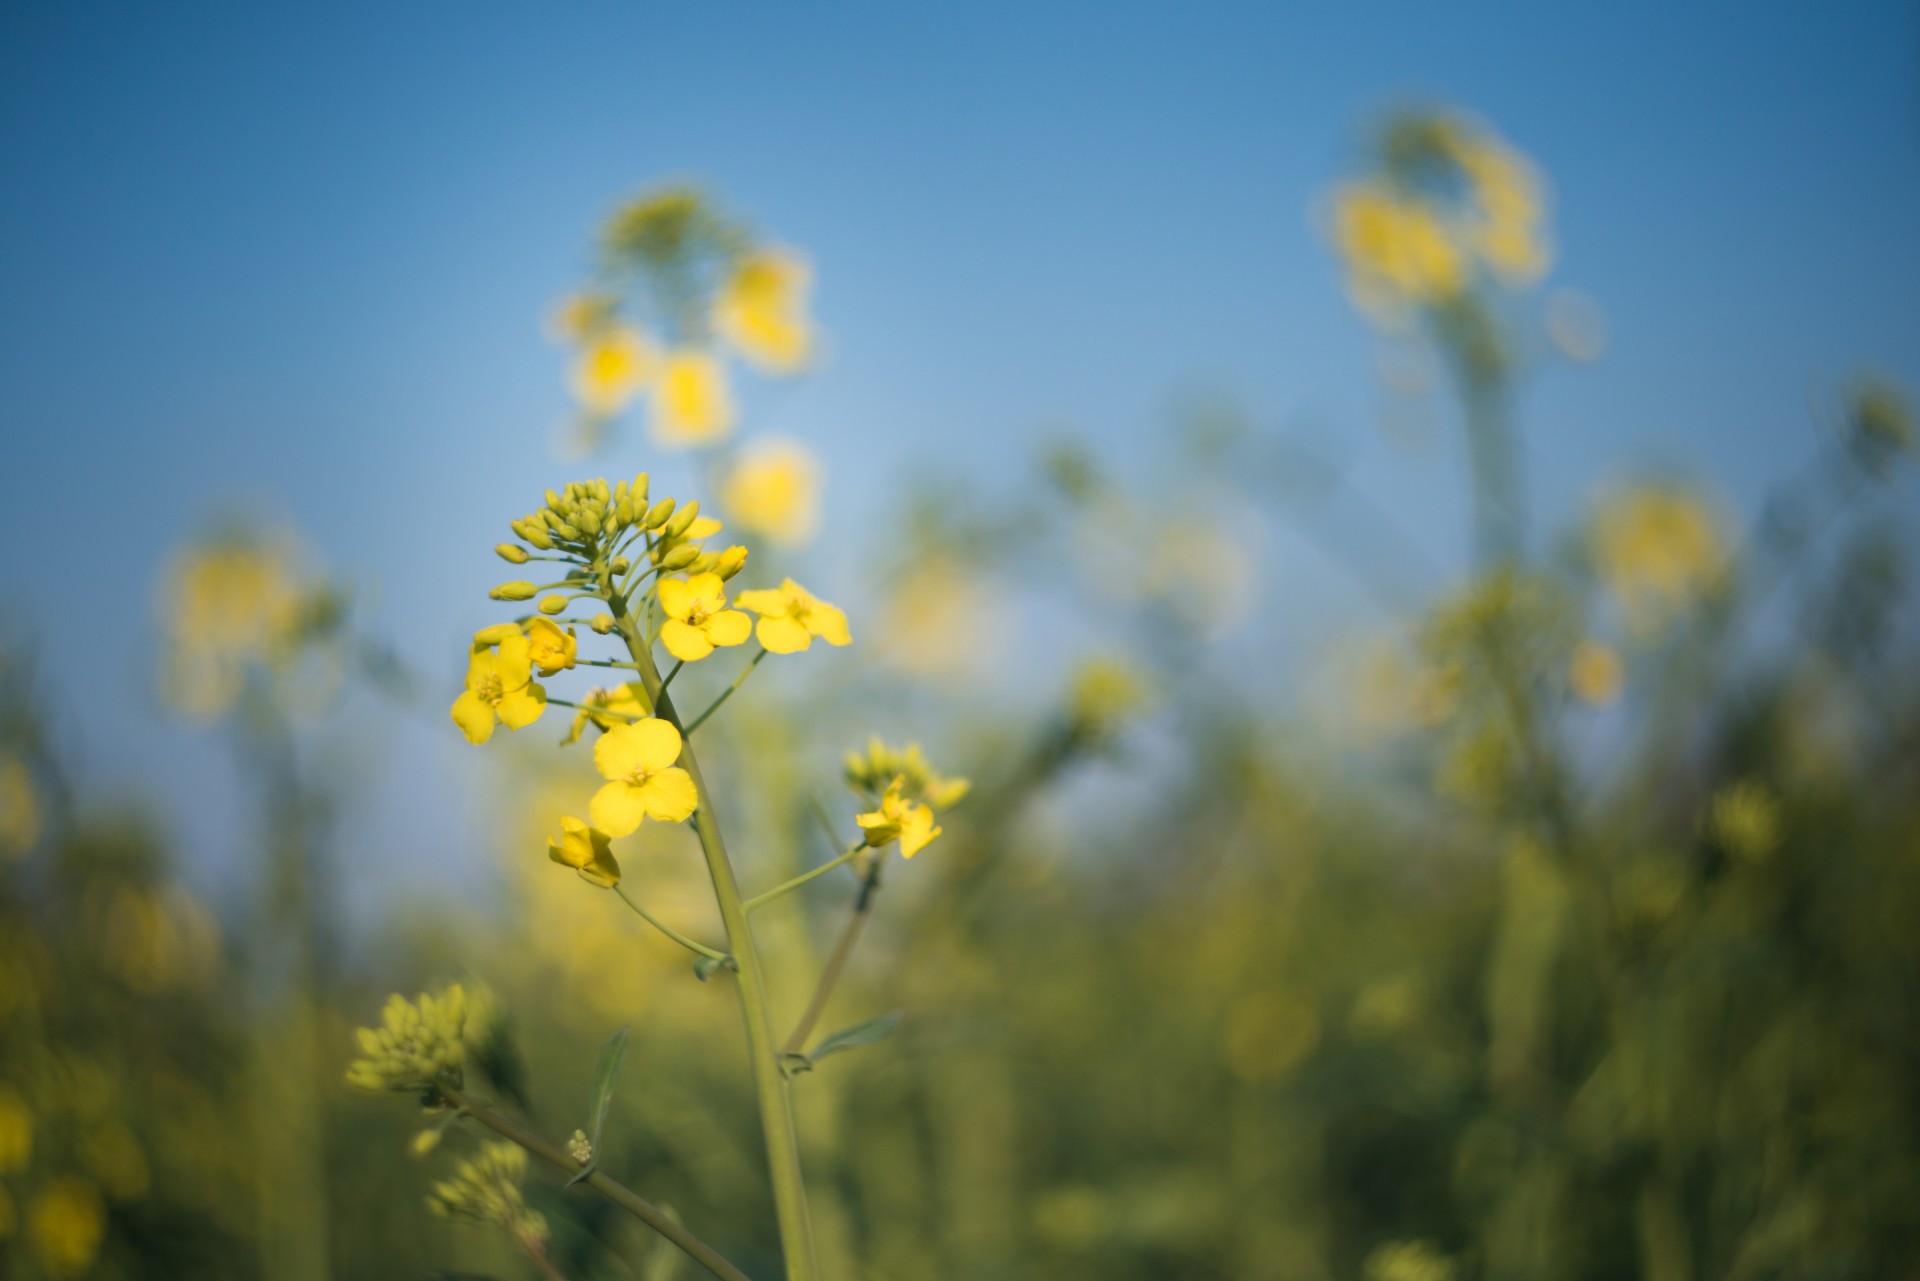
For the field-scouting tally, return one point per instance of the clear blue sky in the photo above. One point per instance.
(297, 257)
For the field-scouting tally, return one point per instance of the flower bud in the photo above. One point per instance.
(553, 500)
(730, 562)
(510, 553)
(519, 589)
(600, 490)
(639, 490)
(682, 520)
(658, 514)
(679, 557)
(553, 604)
(566, 531)
(602, 623)
(586, 521)
(620, 565)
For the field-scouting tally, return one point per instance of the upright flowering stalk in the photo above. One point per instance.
(637, 569)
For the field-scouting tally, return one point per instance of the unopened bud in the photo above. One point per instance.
(519, 589)
(553, 604)
(580, 1147)
(658, 514)
(510, 553)
(730, 562)
(602, 623)
(679, 557)
(682, 520)
(553, 500)
(564, 530)
(620, 565)
(600, 489)
(639, 490)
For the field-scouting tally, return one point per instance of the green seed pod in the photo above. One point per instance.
(553, 604)
(658, 514)
(682, 520)
(519, 589)
(678, 558)
(510, 553)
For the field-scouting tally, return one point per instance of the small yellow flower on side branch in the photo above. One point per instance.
(416, 1044)
(643, 781)
(698, 619)
(880, 767)
(898, 818)
(1595, 673)
(790, 617)
(552, 650)
(691, 403)
(774, 491)
(587, 851)
(500, 689)
(611, 369)
(761, 310)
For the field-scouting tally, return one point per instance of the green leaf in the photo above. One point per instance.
(603, 1096)
(848, 1038)
(704, 966)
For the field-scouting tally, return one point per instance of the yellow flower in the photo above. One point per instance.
(499, 688)
(790, 617)
(585, 849)
(578, 317)
(1658, 550)
(774, 490)
(551, 649)
(1396, 249)
(698, 619)
(613, 365)
(760, 310)
(691, 404)
(490, 637)
(906, 768)
(898, 818)
(607, 708)
(1594, 673)
(643, 781)
(65, 1224)
(228, 605)
(1745, 820)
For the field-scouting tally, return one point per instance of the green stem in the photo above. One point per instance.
(770, 1084)
(627, 1199)
(761, 900)
(738, 681)
(667, 684)
(668, 930)
(830, 976)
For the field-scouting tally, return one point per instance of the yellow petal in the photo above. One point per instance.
(706, 587)
(625, 750)
(603, 871)
(702, 527)
(474, 717)
(729, 627)
(488, 637)
(482, 666)
(515, 662)
(917, 831)
(765, 602)
(829, 623)
(782, 635)
(688, 644)
(669, 796)
(523, 706)
(616, 808)
(676, 597)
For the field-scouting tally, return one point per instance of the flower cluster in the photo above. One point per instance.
(486, 1189)
(417, 1044)
(1659, 551)
(682, 283)
(905, 791)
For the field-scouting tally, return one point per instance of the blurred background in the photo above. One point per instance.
(1405, 517)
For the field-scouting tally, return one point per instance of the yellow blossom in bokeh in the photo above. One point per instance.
(1595, 673)
(19, 807)
(1396, 250)
(486, 1189)
(500, 689)
(16, 1131)
(580, 315)
(1745, 820)
(761, 310)
(613, 365)
(698, 619)
(790, 617)
(898, 818)
(1658, 550)
(224, 606)
(65, 1223)
(417, 1043)
(938, 620)
(774, 490)
(1409, 1261)
(691, 403)
(643, 782)
(587, 851)
(552, 650)
(1103, 694)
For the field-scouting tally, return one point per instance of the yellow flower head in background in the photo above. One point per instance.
(881, 768)
(643, 781)
(416, 1044)
(500, 689)
(552, 650)
(224, 606)
(65, 1224)
(761, 310)
(16, 1131)
(486, 1189)
(587, 851)
(774, 490)
(898, 818)
(613, 365)
(1397, 251)
(691, 403)
(1658, 550)
(1595, 673)
(698, 619)
(19, 807)
(1745, 820)
(580, 316)
(607, 708)
(790, 617)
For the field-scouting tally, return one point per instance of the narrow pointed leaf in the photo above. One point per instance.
(864, 1033)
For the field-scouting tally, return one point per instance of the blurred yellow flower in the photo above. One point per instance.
(579, 316)
(1595, 673)
(898, 818)
(881, 768)
(1397, 252)
(935, 622)
(698, 619)
(790, 617)
(224, 606)
(1409, 1261)
(19, 807)
(643, 781)
(761, 310)
(1658, 550)
(587, 851)
(1745, 820)
(65, 1224)
(691, 403)
(552, 650)
(612, 367)
(16, 1131)
(499, 688)
(607, 708)
(774, 490)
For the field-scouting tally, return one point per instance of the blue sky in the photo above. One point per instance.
(296, 258)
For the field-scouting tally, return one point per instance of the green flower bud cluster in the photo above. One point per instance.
(417, 1044)
(585, 513)
(486, 1189)
(870, 774)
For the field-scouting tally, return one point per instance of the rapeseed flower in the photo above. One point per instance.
(65, 1225)
(760, 309)
(898, 818)
(586, 850)
(612, 367)
(1397, 251)
(774, 491)
(415, 1045)
(500, 689)
(552, 650)
(791, 616)
(691, 403)
(881, 767)
(1658, 550)
(643, 781)
(698, 619)
(1595, 673)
